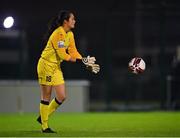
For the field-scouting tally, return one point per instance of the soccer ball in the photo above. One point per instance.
(137, 65)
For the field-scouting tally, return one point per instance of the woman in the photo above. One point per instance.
(60, 46)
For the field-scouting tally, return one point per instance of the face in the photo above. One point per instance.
(71, 21)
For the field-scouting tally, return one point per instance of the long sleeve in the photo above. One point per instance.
(72, 50)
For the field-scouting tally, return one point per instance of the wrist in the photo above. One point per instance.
(72, 59)
(79, 61)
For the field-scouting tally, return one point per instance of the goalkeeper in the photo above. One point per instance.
(60, 46)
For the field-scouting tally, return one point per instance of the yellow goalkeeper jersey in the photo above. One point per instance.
(60, 46)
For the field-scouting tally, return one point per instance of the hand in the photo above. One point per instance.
(88, 60)
(95, 68)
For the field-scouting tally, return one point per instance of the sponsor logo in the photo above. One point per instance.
(61, 44)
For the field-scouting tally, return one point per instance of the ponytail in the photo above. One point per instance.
(55, 22)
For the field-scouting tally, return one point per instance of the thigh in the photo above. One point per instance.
(57, 78)
(60, 92)
(46, 91)
(45, 72)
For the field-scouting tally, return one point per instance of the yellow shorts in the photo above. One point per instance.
(49, 73)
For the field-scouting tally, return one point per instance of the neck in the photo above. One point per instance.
(66, 29)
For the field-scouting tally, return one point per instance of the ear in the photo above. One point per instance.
(65, 21)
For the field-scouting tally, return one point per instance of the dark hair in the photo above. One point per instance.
(55, 23)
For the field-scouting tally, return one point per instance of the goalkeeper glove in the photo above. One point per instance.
(95, 68)
(88, 60)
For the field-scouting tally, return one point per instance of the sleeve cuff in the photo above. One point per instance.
(67, 58)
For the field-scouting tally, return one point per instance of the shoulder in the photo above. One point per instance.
(59, 32)
(70, 33)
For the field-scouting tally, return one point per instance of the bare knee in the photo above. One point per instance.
(60, 92)
(61, 98)
(45, 92)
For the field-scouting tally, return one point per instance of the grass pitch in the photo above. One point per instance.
(121, 124)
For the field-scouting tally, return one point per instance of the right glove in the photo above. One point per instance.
(95, 68)
(88, 60)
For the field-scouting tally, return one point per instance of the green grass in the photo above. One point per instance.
(122, 124)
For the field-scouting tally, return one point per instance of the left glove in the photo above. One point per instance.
(88, 60)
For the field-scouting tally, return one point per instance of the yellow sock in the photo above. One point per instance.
(53, 106)
(44, 114)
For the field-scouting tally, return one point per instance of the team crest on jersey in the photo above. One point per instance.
(61, 44)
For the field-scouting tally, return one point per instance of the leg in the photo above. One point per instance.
(45, 98)
(60, 97)
(45, 70)
(60, 92)
(46, 92)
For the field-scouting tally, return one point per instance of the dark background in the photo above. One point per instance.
(114, 32)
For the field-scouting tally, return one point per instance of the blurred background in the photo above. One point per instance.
(114, 32)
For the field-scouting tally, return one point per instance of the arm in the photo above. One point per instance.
(72, 50)
(88, 61)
